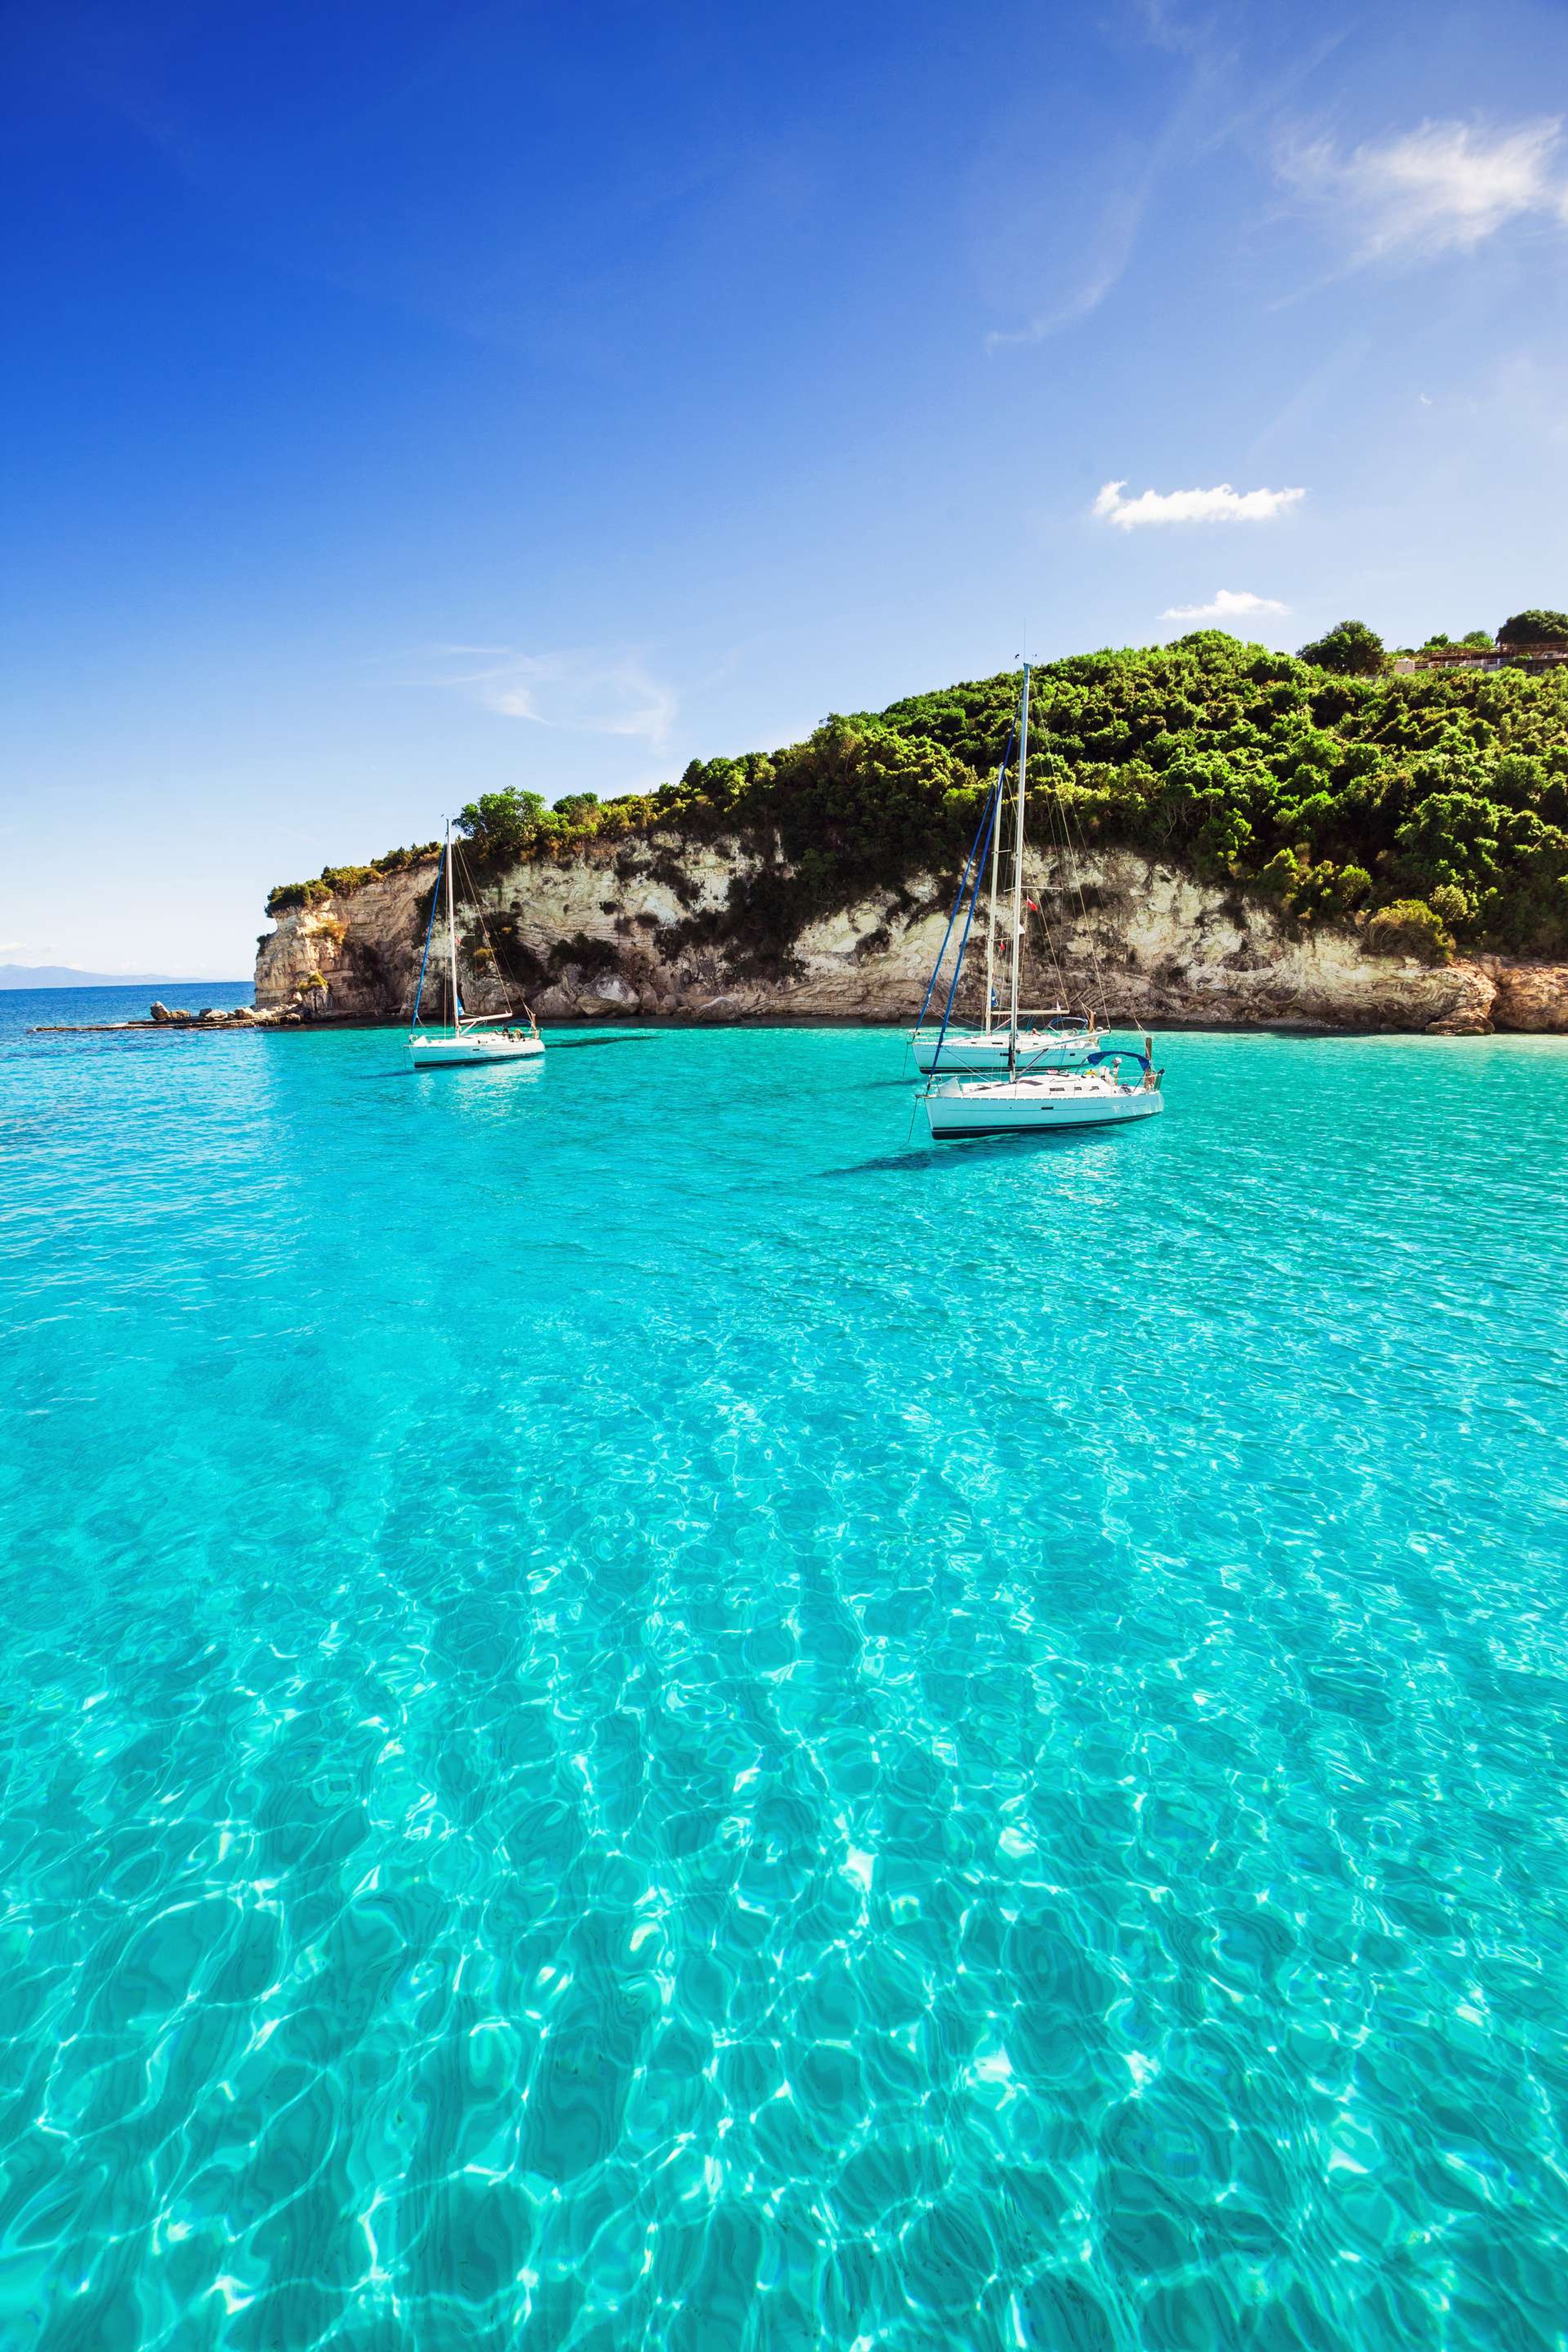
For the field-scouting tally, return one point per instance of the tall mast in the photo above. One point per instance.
(1018, 886)
(451, 930)
(990, 918)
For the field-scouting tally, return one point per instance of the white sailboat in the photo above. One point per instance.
(1038, 1038)
(1029, 1096)
(466, 1037)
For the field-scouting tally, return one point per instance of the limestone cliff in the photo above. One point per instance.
(643, 927)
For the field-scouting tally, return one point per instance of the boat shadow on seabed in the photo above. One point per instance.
(920, 1159)
(557, 1046)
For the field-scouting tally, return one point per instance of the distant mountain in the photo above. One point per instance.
(63, 975)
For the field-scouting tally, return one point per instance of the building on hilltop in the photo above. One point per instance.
(1538, 658)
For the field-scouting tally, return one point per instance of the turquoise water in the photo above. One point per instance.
(636, 1713)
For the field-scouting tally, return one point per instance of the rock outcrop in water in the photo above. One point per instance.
(644, 928)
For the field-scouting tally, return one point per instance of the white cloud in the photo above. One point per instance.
(1220, 505)
(1444, 186)
(1228, 605)
(586, 693)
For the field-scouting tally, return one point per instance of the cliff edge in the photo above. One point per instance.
(642, 931)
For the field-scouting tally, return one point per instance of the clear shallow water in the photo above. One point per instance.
(633, 1715)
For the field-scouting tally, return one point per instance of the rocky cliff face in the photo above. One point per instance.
(642, 928)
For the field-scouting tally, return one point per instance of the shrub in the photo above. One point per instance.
(1451, 904)
(285, 896)
(1350, 649)
(395, 860)
(1281, 874)
(1409, 928)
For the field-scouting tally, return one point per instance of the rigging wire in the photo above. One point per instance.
(460, 867)
(434, 900)
(1063, 996)
(963, 942)
(1064, 986)
(1091, 934)
(1076, 859)
(953, 912)
(976, 859)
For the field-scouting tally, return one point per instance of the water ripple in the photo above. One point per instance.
(605, 1741)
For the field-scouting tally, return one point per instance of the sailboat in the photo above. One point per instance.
(466, 1037)
(1041, 1037)
(1029, 1096)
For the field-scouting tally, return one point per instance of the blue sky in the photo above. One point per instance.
(404, 401)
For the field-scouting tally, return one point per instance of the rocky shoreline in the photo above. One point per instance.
(160, 1016)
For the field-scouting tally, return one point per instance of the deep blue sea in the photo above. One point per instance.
(637, 1711)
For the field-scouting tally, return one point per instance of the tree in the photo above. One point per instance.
(1351, 649)
(1477, 637)
(498, 822)
(1536, 627)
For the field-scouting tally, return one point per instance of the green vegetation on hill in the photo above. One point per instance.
(1435, 806)
(1534, 628)
(286, 896)
(1350, 648)
(1432, 809)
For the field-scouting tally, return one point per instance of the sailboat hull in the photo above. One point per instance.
(957, 1113)
(454, 1052)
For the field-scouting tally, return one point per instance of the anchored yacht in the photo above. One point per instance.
(466, 1037)
(1014, 1076)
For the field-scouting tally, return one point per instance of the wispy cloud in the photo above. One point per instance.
(1228, 605)
(1163, 28)
(1106, 250)
(1221, 504)
(585, 692)
(1068, 245)
(1061, 254)
(1442, 187)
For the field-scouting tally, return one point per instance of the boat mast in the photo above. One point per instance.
(990, 918)
(1018, 887)
(451, 931)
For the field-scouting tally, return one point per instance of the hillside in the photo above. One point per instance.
(1445, 796)
(65, 975)
(1419, 817)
